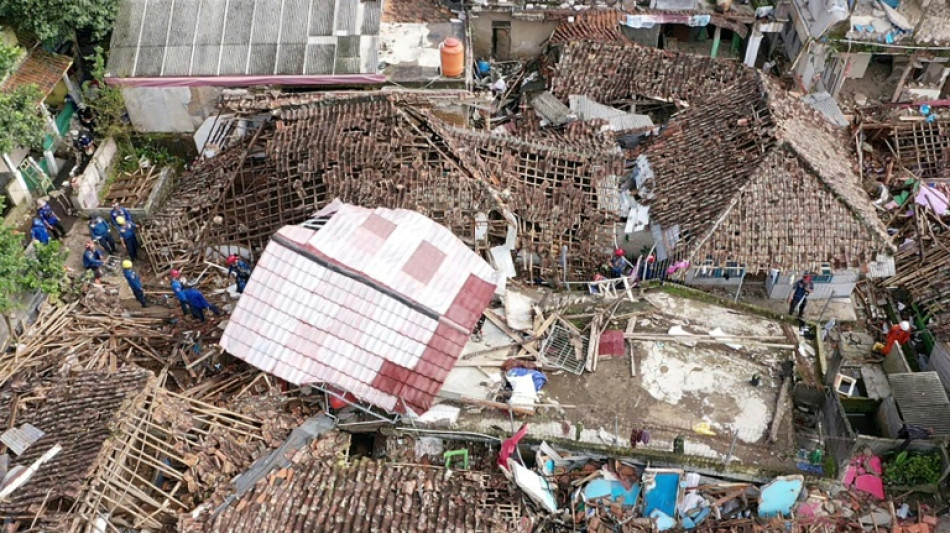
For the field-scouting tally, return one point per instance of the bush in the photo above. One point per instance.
(8, 57)
(911, 469)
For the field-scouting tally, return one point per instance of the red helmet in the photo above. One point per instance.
(175, 274)
(233, 258)
(618, 252)
(651, 258)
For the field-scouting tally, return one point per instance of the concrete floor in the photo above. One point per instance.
(676, 388)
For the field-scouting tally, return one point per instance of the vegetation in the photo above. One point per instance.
(911, 469)
(22, 273)
(107, 103)
(20, 120)
(8, 57)
(55, 21)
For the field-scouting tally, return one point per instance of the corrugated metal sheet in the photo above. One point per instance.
(922, 401)
(618, 120)
(21, 438)
(551, 109)
(377, 303)
(214, 37)
(940, 362)
(825, 104)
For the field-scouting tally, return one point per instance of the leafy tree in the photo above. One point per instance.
(58, 20)
(8, 57)
(106, 102)
(21, 273)
(20, 120)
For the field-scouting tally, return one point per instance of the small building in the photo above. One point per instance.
(172, 60)
(28, 172)
(755, 182)
(377, 303)
(892, 53)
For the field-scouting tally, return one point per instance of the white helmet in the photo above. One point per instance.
(905, 325)
(41, 203)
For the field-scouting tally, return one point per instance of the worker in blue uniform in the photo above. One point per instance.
(240, 269)
(198, 303)
(92, 260)
(38, 231)
(179, 289)
(135, 282)
(126, 231)
(46, 214)
(100, 232)
(119, 211)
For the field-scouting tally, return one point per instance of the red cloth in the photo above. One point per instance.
(509, 445)
(896, 334)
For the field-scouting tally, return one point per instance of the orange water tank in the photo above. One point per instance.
(453, 57)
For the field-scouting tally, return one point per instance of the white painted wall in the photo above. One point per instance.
(87, 185)
(169, 109)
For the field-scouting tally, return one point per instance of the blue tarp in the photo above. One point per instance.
(600, 488)
(662, 493)
(778, 497)
(538, 378)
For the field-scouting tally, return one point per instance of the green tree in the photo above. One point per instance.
(107, 102)
(59, 20)
(21, 273)
(20, 120)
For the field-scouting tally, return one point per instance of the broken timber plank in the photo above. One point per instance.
(631, 325)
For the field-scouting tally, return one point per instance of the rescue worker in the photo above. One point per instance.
(100, 232)
(46, 214)
(617, 263)
(179, 291)
(92, 260)
(799, 296)
(119, 211)
(198, 303)
(127, 232)
(899, 333)
(38, 231)
(240, 269)
(135, 282)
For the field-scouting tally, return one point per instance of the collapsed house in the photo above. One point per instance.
(775, 195)
(553, 202)
(117, 449)
(374, 303)
(322, 489)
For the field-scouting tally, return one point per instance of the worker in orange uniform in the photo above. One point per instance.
(899, 333)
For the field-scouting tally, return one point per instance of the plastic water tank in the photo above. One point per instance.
(453, 57)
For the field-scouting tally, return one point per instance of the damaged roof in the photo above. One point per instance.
(757, 177)
(377, 302)
(77, 412)
(40, 68)
(189, 38)
(606, 72)
(320, 491)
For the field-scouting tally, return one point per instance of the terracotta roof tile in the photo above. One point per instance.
(41, 68)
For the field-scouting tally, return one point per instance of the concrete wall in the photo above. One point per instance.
(86, 186)
(940, 362)
(842, 284)
(170, 109)
(527, 36)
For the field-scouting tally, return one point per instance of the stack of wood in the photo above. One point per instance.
(132, 189)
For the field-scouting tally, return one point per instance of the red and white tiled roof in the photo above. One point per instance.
(378, 303)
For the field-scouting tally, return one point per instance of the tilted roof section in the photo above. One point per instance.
(195, 38)
(40, 68)
(378, 303)
(758, 177)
